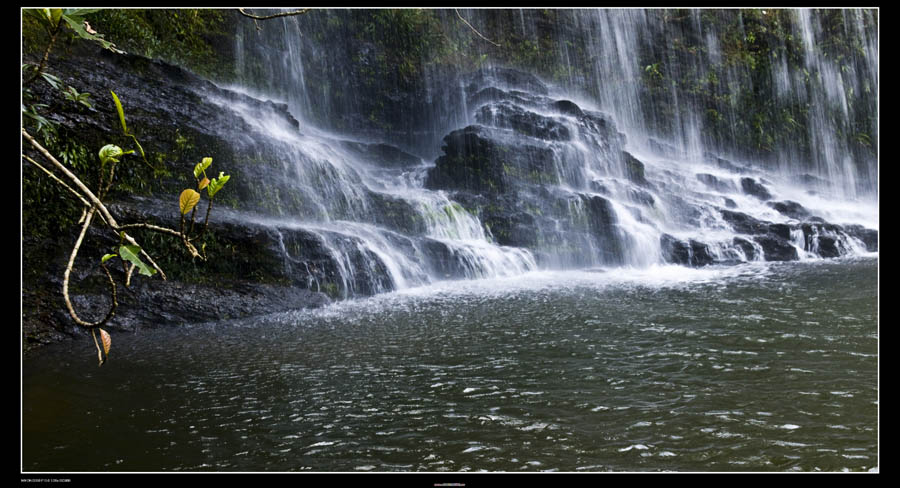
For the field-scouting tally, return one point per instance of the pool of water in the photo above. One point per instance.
(755, 367)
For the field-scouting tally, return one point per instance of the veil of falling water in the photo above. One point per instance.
(588, 206)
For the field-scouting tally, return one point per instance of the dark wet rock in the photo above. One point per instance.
(598, 132)
(641, 196)
(511, 217)
(725, 164)
(155, 303)
(382, 154)
(477, 159)
(506, 78)
(869, 237)
(689, 253)
(567, 107)
(604, 226)
(828, 246)
(746, 246)
(254, 278)
(396, 214)
(634, 169)
(507, 115)
(675, 250)
(776, 248)
(782, 231)
(752, 187)
(599, 187)
(492, 94)
(831, 240)
(729, 202)
(744, 224)
(790, 209)
(716, 184)
(700, 253)
(442, 260)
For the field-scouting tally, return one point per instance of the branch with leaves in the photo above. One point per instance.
(128, 250)
(54, 20)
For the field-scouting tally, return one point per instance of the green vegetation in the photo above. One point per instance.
(76, 156)
(735, 89)
(193, 38)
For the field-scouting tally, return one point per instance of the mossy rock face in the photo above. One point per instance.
(476, 158)
(178, 118)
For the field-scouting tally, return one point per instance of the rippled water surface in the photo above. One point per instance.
(756, 367)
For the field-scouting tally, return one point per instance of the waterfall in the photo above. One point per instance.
(406, 165)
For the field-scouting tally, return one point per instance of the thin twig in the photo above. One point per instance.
(128, 275)
(266, 17)
(84, 189)
(99, 353)
(104, 212)
(205, 222)
(473, 29)
(44, 59)
(61, 182)
(68, 271)
(154, 228)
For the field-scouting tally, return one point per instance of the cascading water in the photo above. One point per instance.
(576, 173)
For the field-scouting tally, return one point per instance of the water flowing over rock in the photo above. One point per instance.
(491, 170)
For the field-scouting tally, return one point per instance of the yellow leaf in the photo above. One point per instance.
(107, 341)
(203, 183)
(187, 200)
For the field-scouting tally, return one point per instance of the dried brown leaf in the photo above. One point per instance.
(107, 341)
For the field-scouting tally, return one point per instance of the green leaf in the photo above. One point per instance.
(217, 183)
(201, 167)
(120, 110)
(79, 12)
(39, 119)
(138, 144)
(109, 153)
(188, 199)
(131, 253)
(41, 14)
(55, 15)
(52, 80)
(107, 257)
(77, 24)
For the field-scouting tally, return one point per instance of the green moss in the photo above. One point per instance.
(193, 38)
(331, 289)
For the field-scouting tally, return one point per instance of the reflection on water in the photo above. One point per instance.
(755, 367)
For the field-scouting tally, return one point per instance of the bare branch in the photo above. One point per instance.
(206, 221)
(112, 283)
(473, 29)
(128, 275)
(267, 17)
(152, 227)
(84, 189)
(61, 182)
